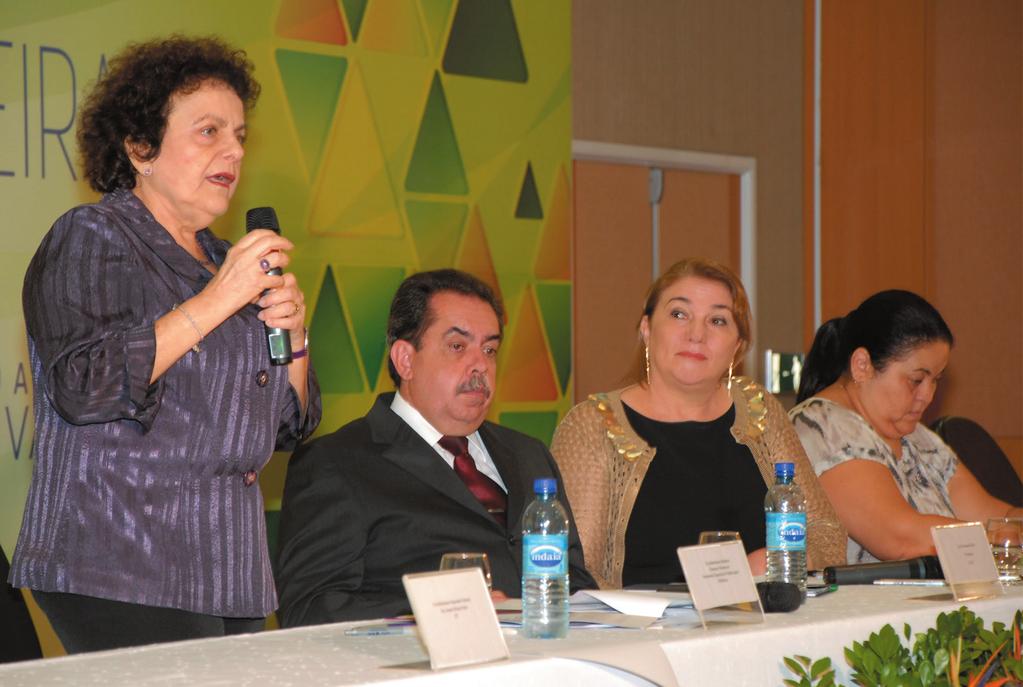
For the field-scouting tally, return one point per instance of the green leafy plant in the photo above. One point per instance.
(957, 652)
(817, 673)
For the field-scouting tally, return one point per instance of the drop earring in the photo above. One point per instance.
(646, 351)
(731, 365)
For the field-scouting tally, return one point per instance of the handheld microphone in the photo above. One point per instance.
(278, 340)
(922, 568)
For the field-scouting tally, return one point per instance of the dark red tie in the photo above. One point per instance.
(486, 490)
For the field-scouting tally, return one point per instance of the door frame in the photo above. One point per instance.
(744, 167)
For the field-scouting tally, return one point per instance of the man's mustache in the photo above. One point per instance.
(475, 383)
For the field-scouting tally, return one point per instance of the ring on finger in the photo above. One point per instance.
(297, 308)
(264, 264)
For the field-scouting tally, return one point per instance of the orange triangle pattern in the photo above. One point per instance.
(554, 258)
(393, 26)
(527, 374)
(475, 258)
(312, 20)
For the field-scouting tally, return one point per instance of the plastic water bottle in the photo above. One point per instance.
(786, 529)
(545, 564)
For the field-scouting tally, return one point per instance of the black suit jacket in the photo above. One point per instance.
(373, 501)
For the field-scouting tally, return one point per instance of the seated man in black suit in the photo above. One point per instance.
(382, 496)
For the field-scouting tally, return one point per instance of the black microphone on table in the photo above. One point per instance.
(775, 597)
(921, 568)
(278, 340)
(779, 597)
(783, 597)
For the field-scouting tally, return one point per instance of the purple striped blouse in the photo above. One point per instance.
(139, 491)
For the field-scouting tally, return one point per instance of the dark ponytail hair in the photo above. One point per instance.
(825, 362)
(888, 325)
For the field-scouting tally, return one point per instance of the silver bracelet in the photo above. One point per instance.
(191, 321)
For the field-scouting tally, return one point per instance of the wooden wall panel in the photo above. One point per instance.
(872, 150)
(975, 204)
(720, 76)
(922, 181)
(809, 162)
(611, 255)
(700, 217)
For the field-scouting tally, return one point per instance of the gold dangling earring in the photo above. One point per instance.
(646, 350)
(730, 366)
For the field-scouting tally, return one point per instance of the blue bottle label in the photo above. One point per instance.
(545, 554)
(786, 531)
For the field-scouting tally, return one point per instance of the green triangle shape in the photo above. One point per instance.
(355, 10)
(369, 291)
(436, 165)
(312, 84)
(484, 42)
(436, 230)
(435, 15)
(539, 424)
(337, 366)
(529, 199)
(556, 310)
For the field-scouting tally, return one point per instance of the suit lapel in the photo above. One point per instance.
(519, 484)
(411, 453)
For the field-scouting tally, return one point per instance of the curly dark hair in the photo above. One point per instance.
(132, 100)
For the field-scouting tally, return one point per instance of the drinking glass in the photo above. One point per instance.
(718, 536)
(455, 561)
(1006, 538)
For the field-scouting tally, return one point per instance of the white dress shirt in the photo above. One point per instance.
(419, 424)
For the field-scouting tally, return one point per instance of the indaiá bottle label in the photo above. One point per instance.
(786, 531)
(545, 554)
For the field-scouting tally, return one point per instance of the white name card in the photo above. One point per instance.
(966, 560)
(455, 617)
(718, 575)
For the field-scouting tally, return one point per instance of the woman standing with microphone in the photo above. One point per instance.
(156, 403)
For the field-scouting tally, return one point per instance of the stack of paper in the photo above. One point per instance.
(635, 609)
(632, 608)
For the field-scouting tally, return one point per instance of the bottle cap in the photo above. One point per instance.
(545, 485)
(784, 469)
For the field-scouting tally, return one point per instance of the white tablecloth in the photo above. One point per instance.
(729, 654)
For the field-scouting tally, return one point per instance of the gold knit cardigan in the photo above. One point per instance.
(603, 463)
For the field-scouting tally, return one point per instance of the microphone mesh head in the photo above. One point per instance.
(262, 218)
(779, 597)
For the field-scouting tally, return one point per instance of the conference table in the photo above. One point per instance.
(723, 653)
